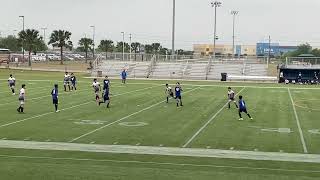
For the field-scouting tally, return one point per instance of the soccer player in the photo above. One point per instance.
(243, 108)
(168, 92)
(106, 98)
(124, 76)
(178, 92)
(106, 83)
(97, 88)
(22, 95)
(12, 83)
(73, 80)
(54, 94)
(66, 81)
(231, 95)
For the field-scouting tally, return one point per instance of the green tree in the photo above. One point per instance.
(86, 44)
(31, 41)
(148, 49)
(106, 46)
(10, 42)
(164, 51)
(302, 49)
(135, 48)
(120, 45)
(61, 39)
(156, 47)
(316, 52)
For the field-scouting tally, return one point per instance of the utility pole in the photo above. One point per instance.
(44, 34)
(130, 37)
(234, 14)
(215, 4)
(173, 27)
(23, 39)
(93, 39)
(269, 53)
(122, 45)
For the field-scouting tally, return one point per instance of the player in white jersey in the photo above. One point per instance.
(66, 81)
(168, 92)
(12, 84)
(22, 96)
(231, 97)
(97, 88)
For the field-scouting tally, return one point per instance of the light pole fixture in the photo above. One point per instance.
(173, 26)
(44, 34)
(215, 4)
(22, 17)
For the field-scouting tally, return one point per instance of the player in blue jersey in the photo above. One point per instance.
(54, 94)
(178, 93)
(106, 98)
(124, 76)
(231, 97)
(243, 108)
(106, 83)
(73, 80)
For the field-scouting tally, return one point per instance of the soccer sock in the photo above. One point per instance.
(12, 91)
(181, 103)
(240, 115)
(69, 88)
(65, 88)
(236, 105)
(229, 105)
(167, 99)
(21, 109)
(248, 115)
(56, 107)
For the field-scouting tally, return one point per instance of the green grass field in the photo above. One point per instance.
(286, 121)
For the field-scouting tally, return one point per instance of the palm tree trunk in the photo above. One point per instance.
(29, 59)
(106, 54)
(61, 55)
(86, 57)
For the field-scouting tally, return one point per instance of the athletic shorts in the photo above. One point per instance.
(66, 82)
(55, 101)
(243, 110)
(11, 85)
(231, 99)
(106, 98)
(179, 97)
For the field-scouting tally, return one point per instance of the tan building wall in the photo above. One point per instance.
(207, 49)
(249, 50)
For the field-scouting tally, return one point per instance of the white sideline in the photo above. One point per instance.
(208, 122)
(305, 150)
(126, 117)
(159, 163)
(162, 151)
(37, 116)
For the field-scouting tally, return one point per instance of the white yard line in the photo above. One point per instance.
(126, 117)
(88, 102)
(158, 163)
(162, 151)
(208, 122)
(305, 150)
(41, 97)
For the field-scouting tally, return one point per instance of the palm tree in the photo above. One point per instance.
(156, 47)
(106, 46)
(86, 44)
(31, 41)
(61, 39)
(120, 45)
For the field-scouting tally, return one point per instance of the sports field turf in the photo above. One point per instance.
(286, 120)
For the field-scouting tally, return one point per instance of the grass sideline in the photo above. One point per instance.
(148, 121)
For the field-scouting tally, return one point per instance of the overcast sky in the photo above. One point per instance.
(289, 22)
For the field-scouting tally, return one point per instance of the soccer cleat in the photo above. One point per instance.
(251, 118)
(241, 119)
(13, 94)
(18, 109)
(57, 111)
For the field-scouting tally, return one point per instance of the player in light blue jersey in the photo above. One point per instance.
(178, 93)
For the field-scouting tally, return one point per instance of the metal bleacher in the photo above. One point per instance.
(198, 69)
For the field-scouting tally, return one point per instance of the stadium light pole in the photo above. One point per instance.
(122, 45)
(215, 4)
(173, 27)
(130, 37)
(22, 17)
(93, 39)
(44, 34)
(234, 14)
